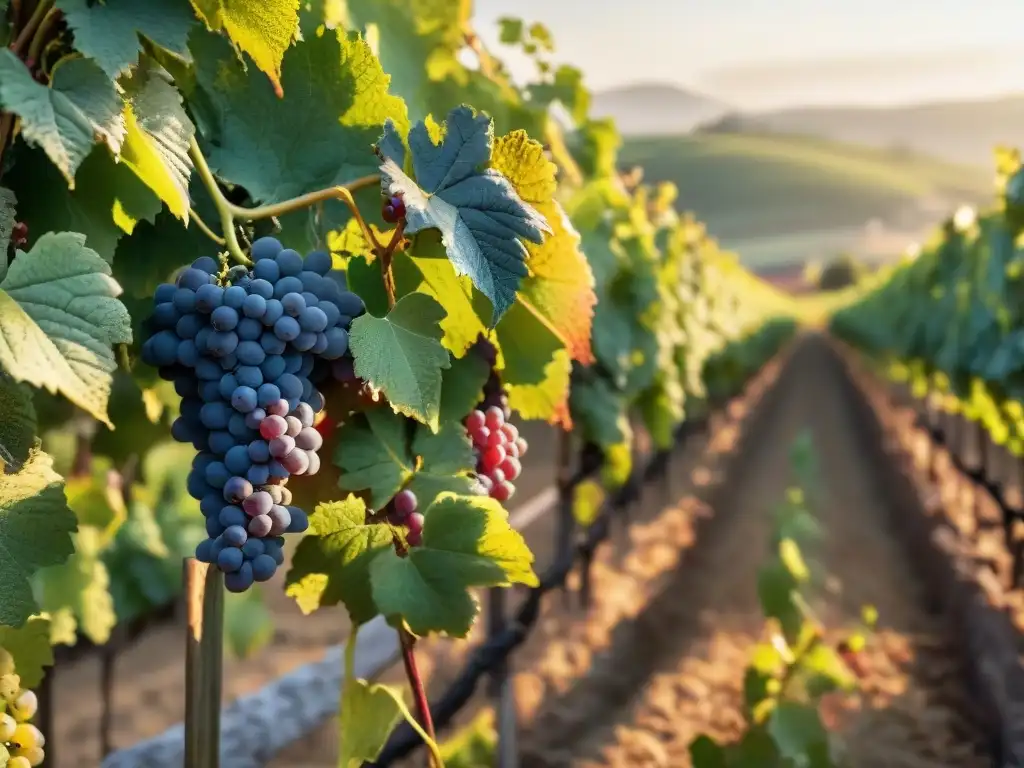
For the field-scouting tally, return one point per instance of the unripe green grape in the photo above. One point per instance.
(7, 726)
(34, 755)
(10, 687)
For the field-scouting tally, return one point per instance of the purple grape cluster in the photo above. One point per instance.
(242, 351)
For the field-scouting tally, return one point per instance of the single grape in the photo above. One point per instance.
(222, 343)
(292, 362)
(512, 449)
(415, 522)
(414, 538)
(289, 262)
(209, 297)
(215, 415)
(480, 437)
(492, 457)
(497, 476)
(405, 502)
(495, 417)
(165, 316)
(208, 264)
(244, 399)
(273, 427)
(304, 414)
(316, 401)
(250, 353)
(510, 432)
(314, 463)
(234, 296)
(204, 551)
(280, 519)
(260, 526)
(350, 304)
(249, 330)
(249, 376)
(255, 306)
(274, 549)
(318, 261)
(24, 707)
(193, 279)
(188, 326)
(337, 343)
(236, 489)
(286, 285)
(313, 319)
(309, 439)
(293, 304)
(7, 726)
(230, 559)
(475, 421)
(521, 445)
(262, 288)
(273, 367)
(300, 520)
(267, 394)
(281, 446)
(392, 209)
(305, 341)
(274, 312)
(259, 503)
(263, 567)
(234, 536)
(511, 467)
(496, 438)
(502, 491)
(217, 474)
(224, 318)
(253, 548)
(278, 408)
(164, 293)
(239, 580)
(294, 427)
(237, 459)
(296, 462)
(258, 474)
(254, 418)
(231, 515)
(208, 370)
(265, 248)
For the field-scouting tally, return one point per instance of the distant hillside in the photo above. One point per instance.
(963, 132)
(656, 109)
(781, 198)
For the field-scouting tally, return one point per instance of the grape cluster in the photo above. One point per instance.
(498, 448)
(242, 350)
(403, 512)
(21, 743)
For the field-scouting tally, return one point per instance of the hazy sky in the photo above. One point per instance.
(764, 53)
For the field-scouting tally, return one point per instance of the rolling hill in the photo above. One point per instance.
(776, 199)
(654, 108)
(962, 132)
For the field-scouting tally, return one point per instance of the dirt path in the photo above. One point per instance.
(676, 670)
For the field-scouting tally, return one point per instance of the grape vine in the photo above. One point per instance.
(179, 380)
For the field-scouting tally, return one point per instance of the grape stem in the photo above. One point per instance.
(204, 227)
(386, 257)
(418, 689)
(39, 39)
(27, 33)
(230, 213)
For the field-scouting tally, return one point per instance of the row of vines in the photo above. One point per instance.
(947, 321)
(368, 281)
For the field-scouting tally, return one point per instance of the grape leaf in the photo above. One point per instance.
(107, 202)
(375, 456)
(367, 716)
(248, 625)
(600, 410)
(151, 254)
(481, 218)
(537, 366)
(401, 355)
(331, 563)
(35, 531)
(796, 729)
(108, 32)
(30, 646)
(462, 387)
(425, 268)
(59, 317)
(17, 423)
(80, 107)
(560, 286)
(76, 593)
(467, 542)
(262, 28)
(333, 86)
(157, 136)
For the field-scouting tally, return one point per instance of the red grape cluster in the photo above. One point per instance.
(498, 448)
(403, 512)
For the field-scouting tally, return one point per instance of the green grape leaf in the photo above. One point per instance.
(97, 499)
(8, 215)
(30, 646)
(401, 356)
(35, 532)
(17, 424)
(568, 88)
(600, 410)
(59, 318)
(248, 625)
(482, 220)
(108, 199)
(425, 268)
(158, 132)
(560, 285)
(333, 84)
(151, 254)
(262, 28)
(796, 729)
(775, 589)
(331, 564)
(467, 542)
(510, 30)
(706, 753)
(376, 457)
(80, 107)
(536, 366)
(76, 593)
(368, 715)
(109, 32)
(462, 387)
